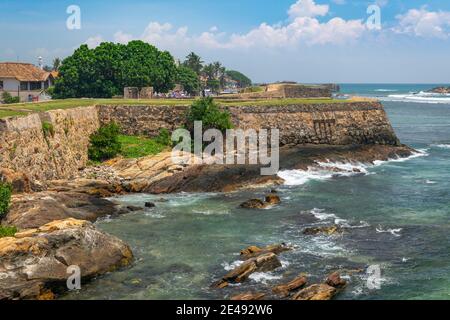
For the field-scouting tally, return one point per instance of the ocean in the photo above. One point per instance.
(396, 214)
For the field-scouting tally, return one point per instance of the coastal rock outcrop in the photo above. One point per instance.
(441, 90)
(36, 209)
(335, 280)
(254, 251)
(316, 292)
(248, 296)
(284, 290)
(270, 200)
(34, 263)
(328, 230)
(263, 263)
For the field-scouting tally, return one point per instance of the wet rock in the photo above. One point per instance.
(150, 205)
(328, 230)
(285, 290)
(263, 263)
(335, 280)
(254, 204)
(273, 199)
(133, 208)
(35, 261)
(254, 251)
(316, 292)
(248, 296)
(36, 209)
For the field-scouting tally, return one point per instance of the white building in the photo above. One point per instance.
(25, 80)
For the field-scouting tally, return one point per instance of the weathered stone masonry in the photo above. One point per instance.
(333, 123)
(24, 147)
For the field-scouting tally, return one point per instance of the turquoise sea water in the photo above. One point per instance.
(397, 214)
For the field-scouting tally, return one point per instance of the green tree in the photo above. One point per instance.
(207, 111)
(243, 80)
(105, 144)
(194, 62)
(214, 85)
(188, 79)
(104, 71)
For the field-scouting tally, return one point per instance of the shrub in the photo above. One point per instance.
(164, 138)
(8, 98)
(105, 144)
(5, 198)
(48, 129)
(207, 111)
(7, 231)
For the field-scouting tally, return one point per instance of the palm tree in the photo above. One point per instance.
(194, 62)
(56, 64)
(209, 71)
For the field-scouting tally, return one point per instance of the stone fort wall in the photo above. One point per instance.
(59, 154)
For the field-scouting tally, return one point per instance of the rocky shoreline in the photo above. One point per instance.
(440, 90)
(55, 218)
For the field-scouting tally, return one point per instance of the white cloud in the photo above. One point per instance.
(303, 28)
(122, 37)
(307, 8)
(93, 42)
(424, 23)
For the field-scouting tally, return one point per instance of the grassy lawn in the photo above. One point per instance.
(9, 113)
(136, 147)
(23, 108)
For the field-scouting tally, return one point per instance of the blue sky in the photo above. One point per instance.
(301, 40)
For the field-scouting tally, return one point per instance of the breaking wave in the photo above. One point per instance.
(421, 97)
(328, 170)
(394, 232)
(324, 171)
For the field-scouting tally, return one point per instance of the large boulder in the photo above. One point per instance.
(316, 292)
(263, 263)
(36, 209)
(273, 199)
(335, 280)
(35, 262)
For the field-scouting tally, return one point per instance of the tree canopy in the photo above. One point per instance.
(104, 71)
(194, 62)
(242, 79)
(188, 79)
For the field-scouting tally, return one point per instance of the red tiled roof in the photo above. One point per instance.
(22, 71)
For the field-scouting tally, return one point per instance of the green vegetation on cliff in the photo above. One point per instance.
(207, 111)
(136, 147)
(7, 231)
(105, 144)
(5, 198)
